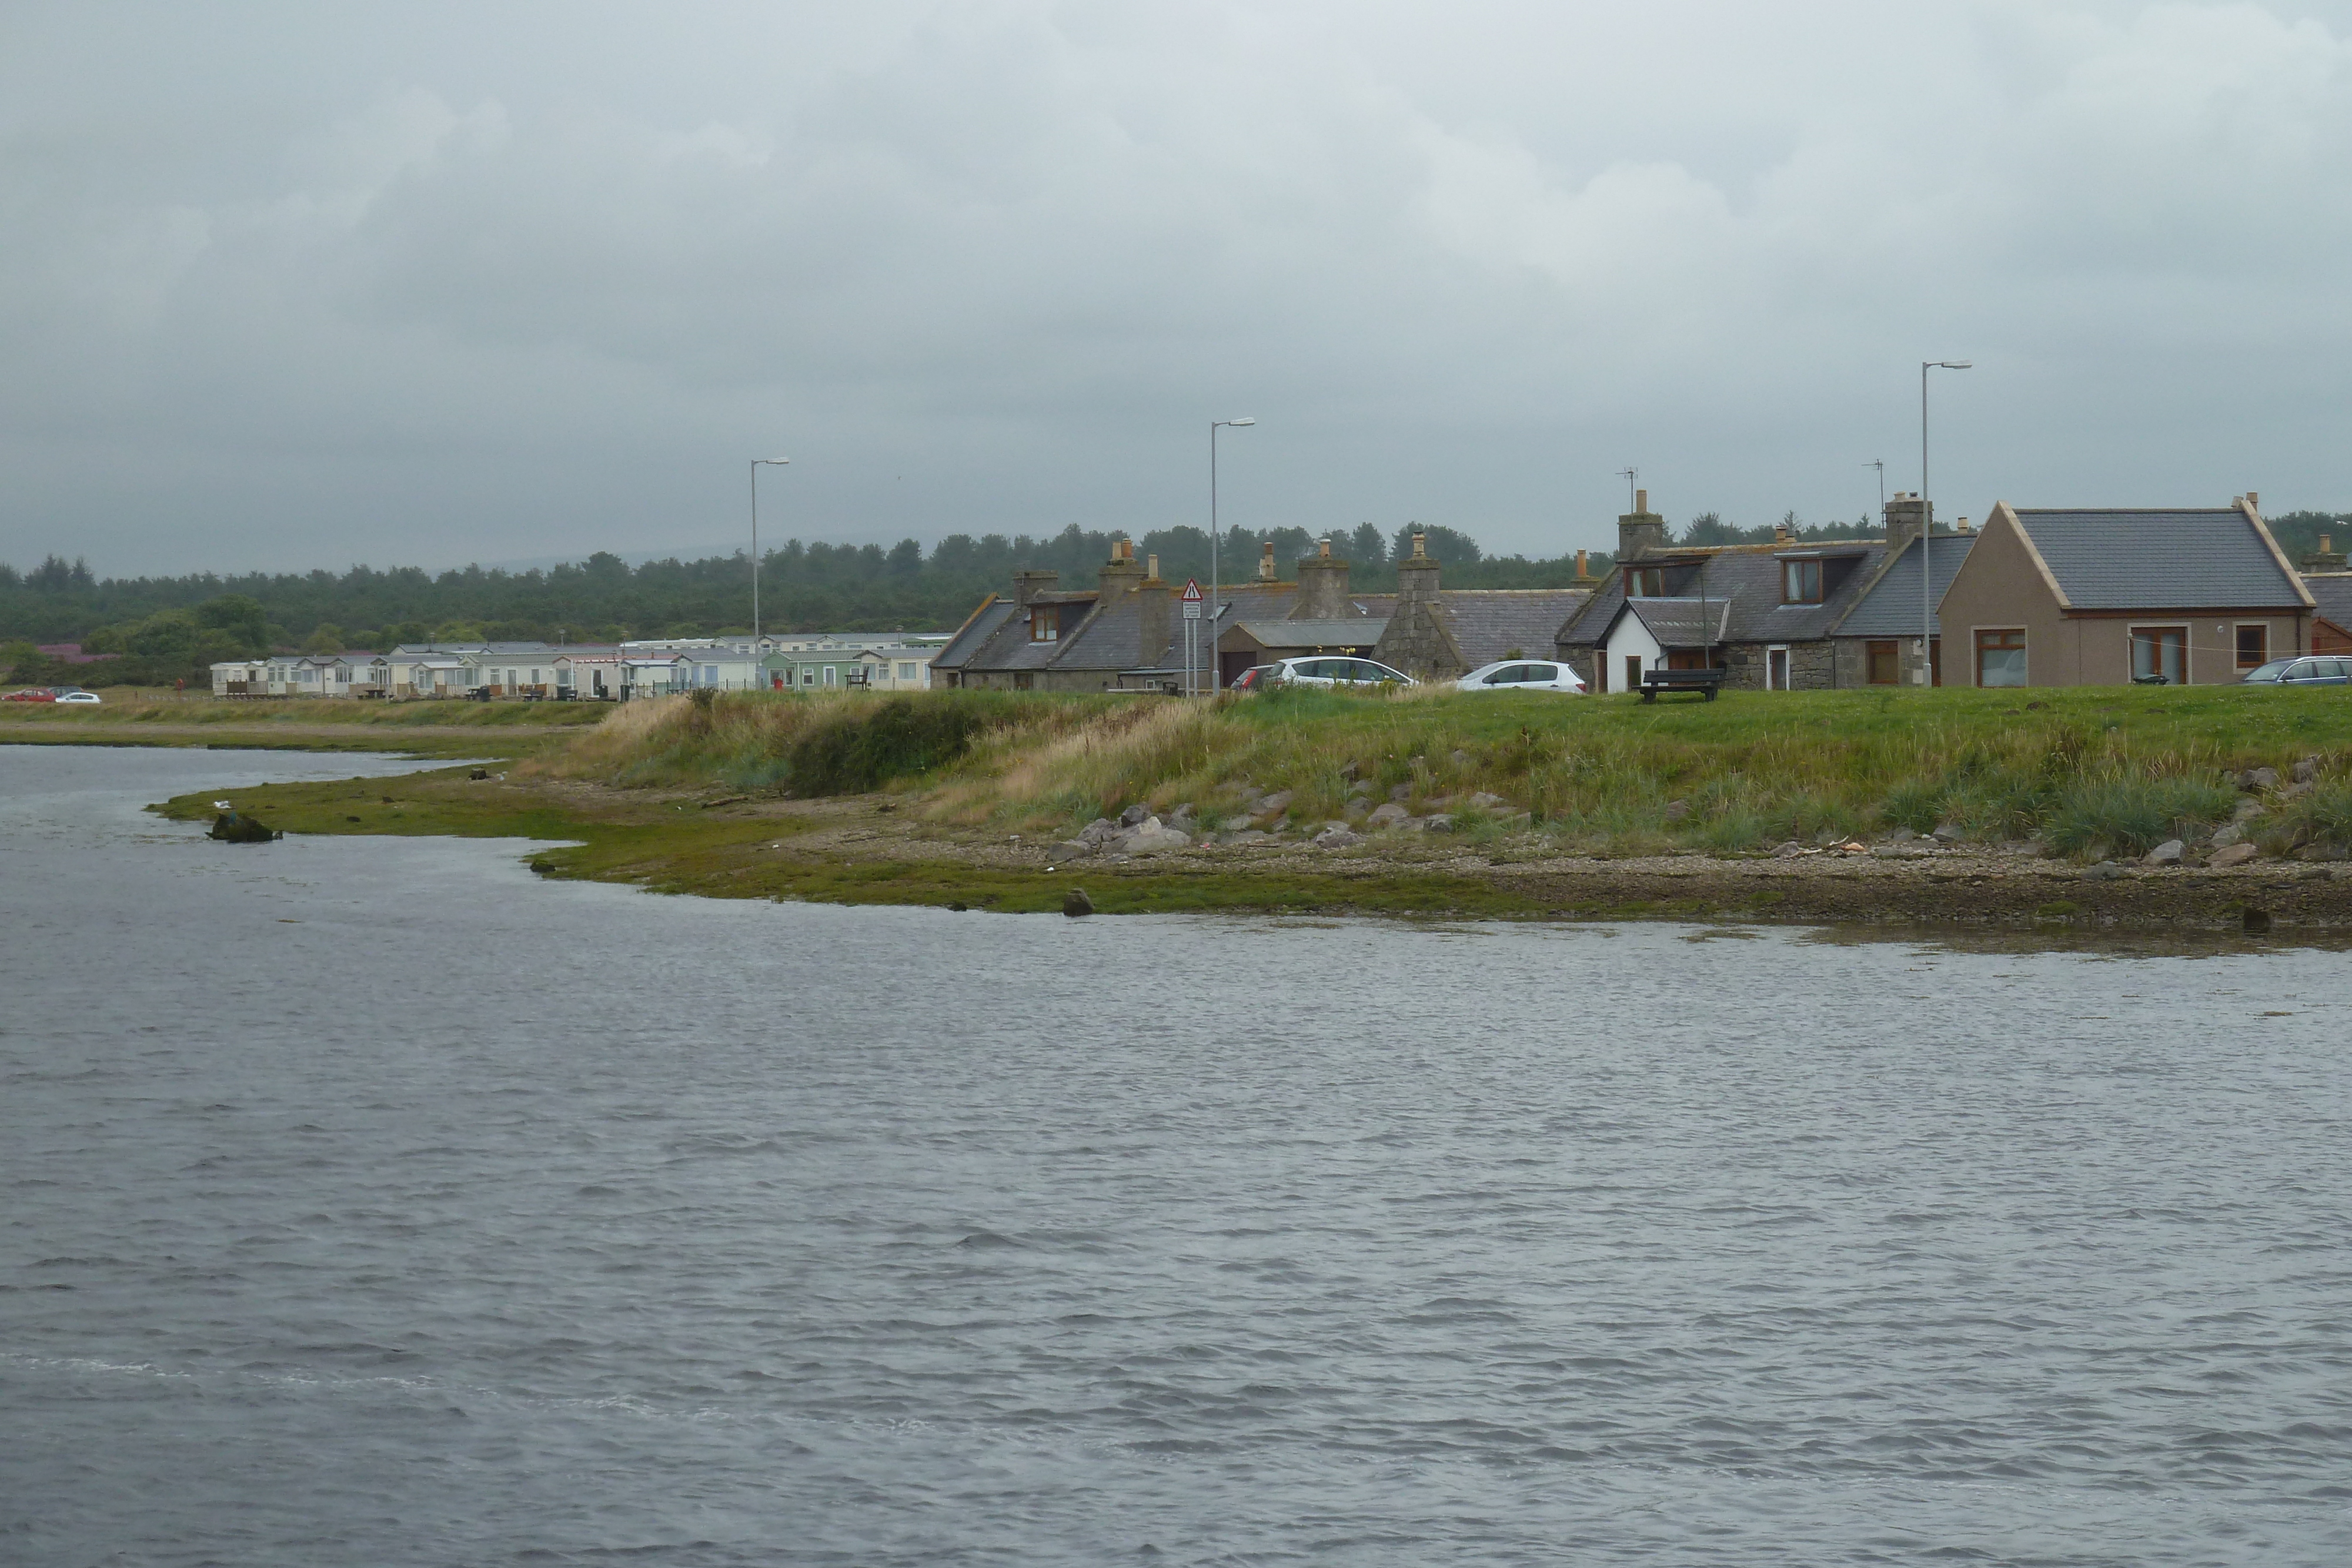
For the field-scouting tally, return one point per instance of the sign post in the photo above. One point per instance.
(1193, 635)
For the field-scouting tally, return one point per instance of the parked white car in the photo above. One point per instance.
(1523, 675)
(1322, 671)
(80, 697)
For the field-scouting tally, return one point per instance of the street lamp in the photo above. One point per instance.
(1215, 679)
(757, 463)
(1927, 526)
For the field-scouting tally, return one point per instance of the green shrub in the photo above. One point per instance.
(1918, 805)
(854, 749)
(2322, 817)
(2133, 813)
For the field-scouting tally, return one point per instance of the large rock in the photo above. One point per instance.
(1487, 802)
(1235, 824)
(1098, 832)
(2105, 871)
(2232, 854)
(1074, 849)
(2166, 853)
(1274, 804)
(2306, 771)
(1389, 815)
(2235, 833)
(236, 828)
(1151, 836)
(1134, 816)
(1338, 836)
(1402, 792)
(1075, 903)
(1788, 850)
(2258, 779)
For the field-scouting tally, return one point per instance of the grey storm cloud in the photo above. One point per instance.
(297, 285)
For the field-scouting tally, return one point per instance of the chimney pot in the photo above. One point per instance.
(2253, 501)
(1420, 547)
(1324, 542)
(1641, 500)
(1152, 568)
(1265, 571)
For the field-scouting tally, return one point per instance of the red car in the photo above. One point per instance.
(35, 695)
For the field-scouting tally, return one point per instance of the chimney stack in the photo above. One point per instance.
(1322, 588)
(1027, 585)
(1584, 576)
(1265, 572)
(1151, 568)
(1904, 512)
(2253, 502)
(1640, 530)
(1152, 601)
(1780, 533)
(1120, 575)
(2324, 559)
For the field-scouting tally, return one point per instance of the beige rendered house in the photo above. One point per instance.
(2080, 597)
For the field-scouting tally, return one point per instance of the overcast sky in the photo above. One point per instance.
(301, 285)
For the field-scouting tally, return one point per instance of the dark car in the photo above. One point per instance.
(2304, 672)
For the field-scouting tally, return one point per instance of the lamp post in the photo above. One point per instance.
(1927, 526)
(1217, 679)
(757, 463)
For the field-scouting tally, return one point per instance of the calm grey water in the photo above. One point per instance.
(370, 1201)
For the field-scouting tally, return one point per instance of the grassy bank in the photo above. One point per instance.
(2091, 771)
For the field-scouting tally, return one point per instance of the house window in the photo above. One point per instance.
(1885, 661)
(2000, 657)
(2160, 655)
(1800, 583)
(907, 672)
(808, 676)
(1645, 582)
(2253, 646)
(1023, 681)
(1045, 622)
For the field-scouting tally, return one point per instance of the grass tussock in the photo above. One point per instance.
(2091, 770)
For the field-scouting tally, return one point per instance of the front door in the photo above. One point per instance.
(1776, 669)
(1633, 671)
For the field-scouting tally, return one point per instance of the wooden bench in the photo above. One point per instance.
(1707, 682)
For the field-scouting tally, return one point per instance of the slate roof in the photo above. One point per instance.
(1357, 632)
(1112, 638)
(2203, 559)
(1746, 579)
(1890, 607)
(1682, 622)
(1489, 622)
(2332, 592)
(974, 633)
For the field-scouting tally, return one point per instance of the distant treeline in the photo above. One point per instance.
(171, 627)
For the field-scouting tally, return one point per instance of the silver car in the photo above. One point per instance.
(1323, 670)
